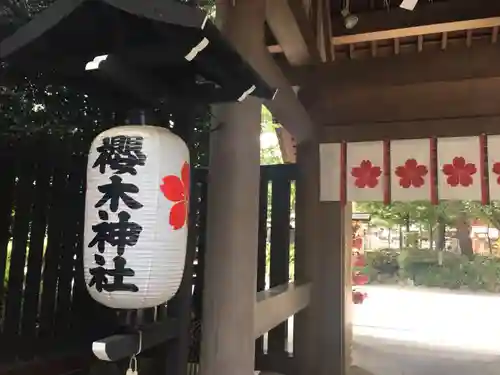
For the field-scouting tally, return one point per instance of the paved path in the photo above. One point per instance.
(426, 331)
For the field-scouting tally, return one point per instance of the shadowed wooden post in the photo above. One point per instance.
(323, 332)
(228, 342)
(331, 298)
(307, 195)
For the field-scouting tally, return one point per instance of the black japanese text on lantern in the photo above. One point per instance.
(119, 156)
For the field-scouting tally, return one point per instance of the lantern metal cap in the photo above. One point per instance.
(168, 45)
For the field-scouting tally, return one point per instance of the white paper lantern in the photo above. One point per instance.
(136, 216)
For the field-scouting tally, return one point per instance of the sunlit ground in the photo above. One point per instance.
(435, 318)
(415, 331)
(426, 331)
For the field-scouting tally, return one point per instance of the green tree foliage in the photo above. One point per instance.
(455, 214)
(27, 106)
(427, 213)
(30, 106)
(269, 155)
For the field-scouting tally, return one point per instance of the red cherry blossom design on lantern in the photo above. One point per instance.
(176, 189)
(411, 174)
(366, 175)
(496, 170)
(459, 172)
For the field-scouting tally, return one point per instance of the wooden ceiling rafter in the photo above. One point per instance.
(414, 45)
(443, 17)
(287, 145)
(303, 31)
(289, 24)
(448, 45)
(321, 23)
(417, 30)
(492, 23)
(327, 32)
(425, 19)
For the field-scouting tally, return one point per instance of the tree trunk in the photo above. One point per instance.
(401, 242)
(494, 218)
(463, 236)
(431, 237)
(490, 246)
(441, 234)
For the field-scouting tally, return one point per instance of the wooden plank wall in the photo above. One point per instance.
(44, 304)
(275, 254)
(45, 310)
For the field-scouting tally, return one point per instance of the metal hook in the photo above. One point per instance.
(132, 364)
(140, 343)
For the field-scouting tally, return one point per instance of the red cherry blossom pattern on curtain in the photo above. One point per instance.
(496, 170)
(176, 190)
(367, 175)
(411, 174)
(459, 172)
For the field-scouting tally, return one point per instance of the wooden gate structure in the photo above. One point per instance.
(48, 321)
(370, 72)
(46, 314)
(428, 73)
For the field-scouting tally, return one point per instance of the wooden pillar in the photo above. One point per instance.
(323, 331)
(305, 240)
(228, 343)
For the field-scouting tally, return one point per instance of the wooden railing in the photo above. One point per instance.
(275, 305)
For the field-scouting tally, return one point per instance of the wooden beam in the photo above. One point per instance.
(230, 274)
(425, 19)
(287, 142)
(63, 364)
(322, 332)
(278, 365)
(327, 32)
(275, 305)
(321, 22)
(458, 127)
(287, 146)
(285, 106)
(466, 98)
(490, 22)
(116, 347)
(476, 62)
(306, 214)
(288, 22)
(417, 30)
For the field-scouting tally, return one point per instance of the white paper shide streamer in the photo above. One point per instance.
(136, 216)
